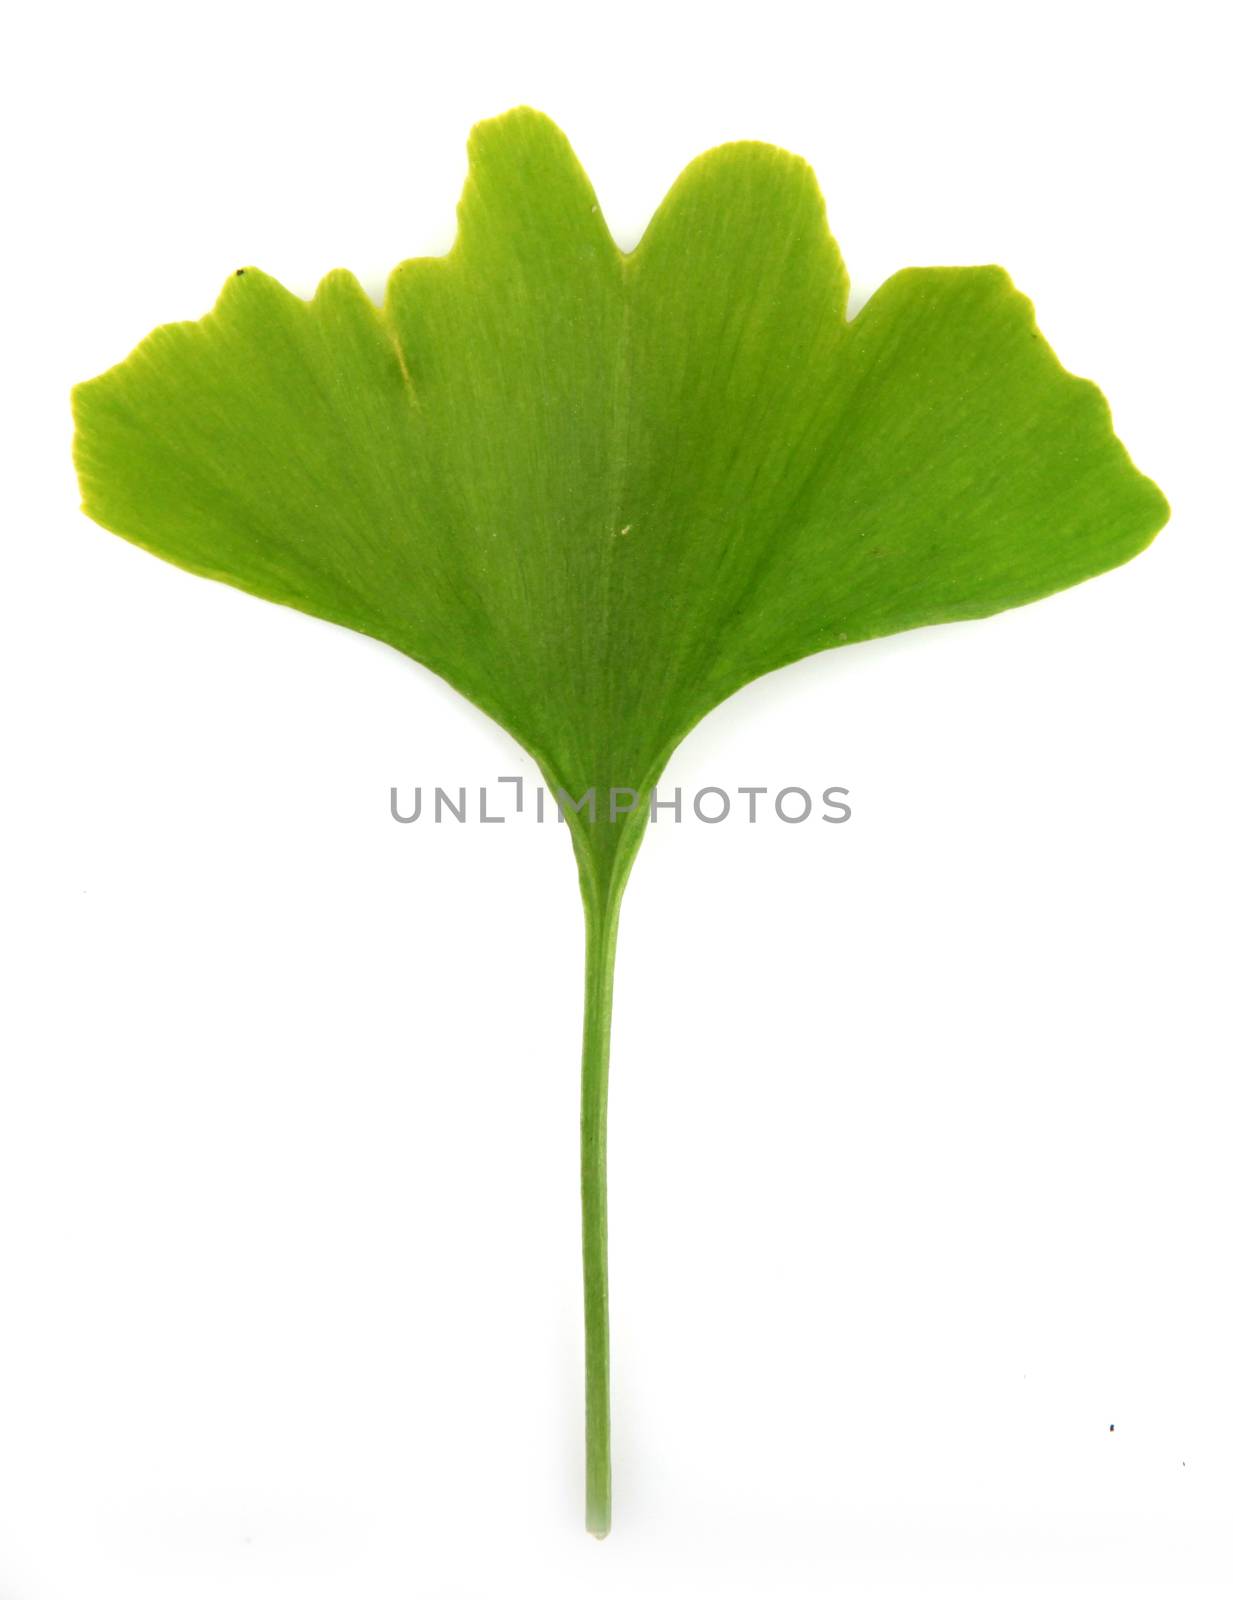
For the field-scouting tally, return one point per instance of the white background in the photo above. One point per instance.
(920, 1125)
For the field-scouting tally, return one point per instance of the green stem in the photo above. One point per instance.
(601, 922)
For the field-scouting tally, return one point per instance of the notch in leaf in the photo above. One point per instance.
(599, 492)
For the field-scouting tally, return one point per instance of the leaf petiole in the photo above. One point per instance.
(601, 938)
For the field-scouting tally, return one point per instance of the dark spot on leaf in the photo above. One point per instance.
(239, 272)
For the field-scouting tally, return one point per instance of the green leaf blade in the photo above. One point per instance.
(598, 492)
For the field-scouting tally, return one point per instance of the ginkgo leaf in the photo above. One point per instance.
(598, 492)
